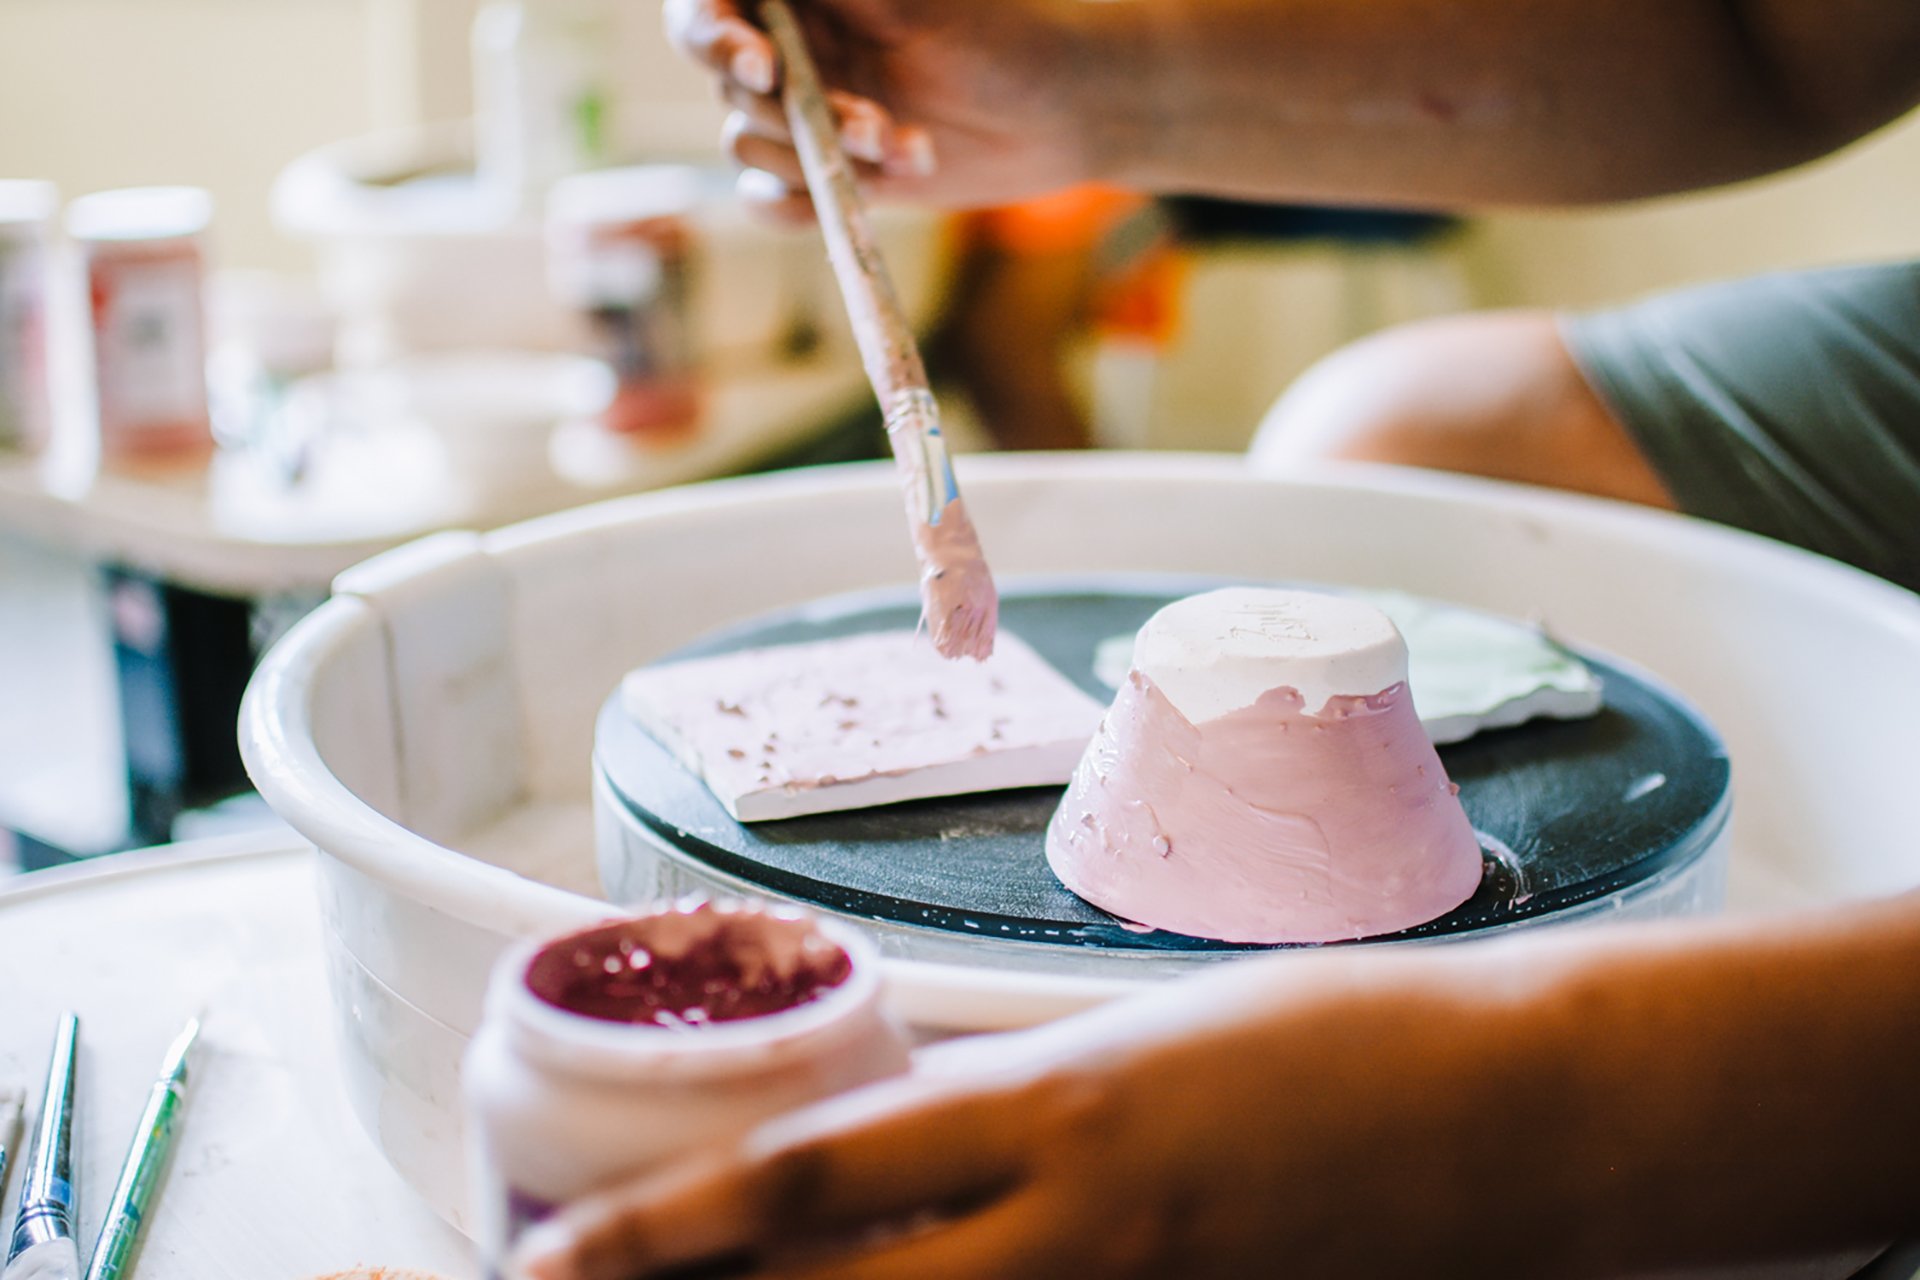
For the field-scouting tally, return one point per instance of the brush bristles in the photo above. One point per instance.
(957, 597)
(962, 616)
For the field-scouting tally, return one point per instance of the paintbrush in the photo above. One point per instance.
(146, 1158)
(42, 1247)
(13, 1102)
(957, 597)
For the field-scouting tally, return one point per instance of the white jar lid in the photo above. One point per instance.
(27, 200)
(614, 196)
(140, 213)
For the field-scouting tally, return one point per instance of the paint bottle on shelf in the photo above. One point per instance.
(605, 1053)
(27, 210)
(620, 246)
(143, 252)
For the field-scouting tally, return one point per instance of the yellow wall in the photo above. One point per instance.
(220, 93)
(1863, 204)
(1258, 318)
(97, 93)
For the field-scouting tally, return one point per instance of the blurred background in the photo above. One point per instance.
(223, 94)
(415, 313)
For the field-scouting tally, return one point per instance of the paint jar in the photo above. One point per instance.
(144, 254)
(605, 1053)
(620, 250)
(26, 252)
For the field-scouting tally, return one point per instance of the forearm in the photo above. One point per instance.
(1751, 1095)
(1501, 102)
(1590, 1104)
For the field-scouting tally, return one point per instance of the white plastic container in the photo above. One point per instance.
(268, 333)
(144, 250)
(431, 727)
(493, 412)
(27, 210)
(562, 1102)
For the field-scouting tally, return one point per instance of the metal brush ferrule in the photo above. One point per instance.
(912, 420)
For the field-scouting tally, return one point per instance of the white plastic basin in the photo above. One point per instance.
(415, 255)
(430, 728)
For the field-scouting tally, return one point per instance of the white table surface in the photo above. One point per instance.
(272, 1177)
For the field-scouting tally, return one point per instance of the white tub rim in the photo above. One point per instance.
(284, 761)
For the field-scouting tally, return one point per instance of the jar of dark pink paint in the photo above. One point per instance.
(606, 1053)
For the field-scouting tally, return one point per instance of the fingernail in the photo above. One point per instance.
(752, 68)
(757, 186)
(860, 135)
(913, 156)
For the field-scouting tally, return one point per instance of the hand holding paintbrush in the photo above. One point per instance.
(956, 590)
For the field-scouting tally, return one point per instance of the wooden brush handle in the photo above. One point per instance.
(880, 327)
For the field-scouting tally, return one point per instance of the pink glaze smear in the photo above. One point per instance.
(1267, 824)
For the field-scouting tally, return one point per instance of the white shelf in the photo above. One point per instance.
(228, 530)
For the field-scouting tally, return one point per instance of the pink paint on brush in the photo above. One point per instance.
(1266, 824)
(957, 596)
(958, 603)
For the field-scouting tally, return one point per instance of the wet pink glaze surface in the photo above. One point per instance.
(1266, 824)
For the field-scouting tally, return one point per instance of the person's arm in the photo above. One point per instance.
(1415, 102)
(1491, 393)
(1570, 1105)
(1436, 102)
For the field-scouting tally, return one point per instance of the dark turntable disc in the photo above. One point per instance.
(1571, 813)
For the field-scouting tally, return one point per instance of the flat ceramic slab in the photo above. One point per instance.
(863, 720)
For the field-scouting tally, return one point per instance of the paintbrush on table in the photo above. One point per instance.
(146, 1158)
(42, 1247)
(13, 1103)
(957, 596)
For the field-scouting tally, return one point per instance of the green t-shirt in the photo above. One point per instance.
(1786, 404)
